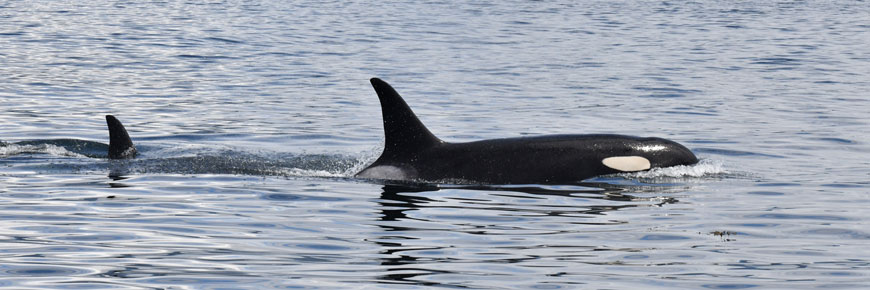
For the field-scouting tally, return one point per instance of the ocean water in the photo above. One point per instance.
(251, 118)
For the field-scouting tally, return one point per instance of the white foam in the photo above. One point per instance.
(298, 172)
(15, 149)
(363, 160)
(705, 167)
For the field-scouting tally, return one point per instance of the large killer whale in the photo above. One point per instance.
(412, 153)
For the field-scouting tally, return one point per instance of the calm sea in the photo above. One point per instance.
(252, 116)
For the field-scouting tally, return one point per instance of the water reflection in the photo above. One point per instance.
(426, 226)
(117, 180)
(394, 195)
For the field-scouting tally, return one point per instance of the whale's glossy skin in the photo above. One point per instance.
(412, 153)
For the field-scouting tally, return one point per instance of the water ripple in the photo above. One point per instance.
(251, 116)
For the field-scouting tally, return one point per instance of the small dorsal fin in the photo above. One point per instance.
(403, 131)
(120, 145)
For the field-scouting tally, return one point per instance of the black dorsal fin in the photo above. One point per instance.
(403, 131)
(120, 145)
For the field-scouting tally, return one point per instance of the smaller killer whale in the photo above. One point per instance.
(120, 145)
(413, 153)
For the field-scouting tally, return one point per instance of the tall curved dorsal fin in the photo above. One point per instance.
(403, 131)
(120, 145)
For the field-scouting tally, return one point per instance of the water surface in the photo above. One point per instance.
(251, 118)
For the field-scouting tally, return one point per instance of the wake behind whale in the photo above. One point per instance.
(71, 156)
(121, 157)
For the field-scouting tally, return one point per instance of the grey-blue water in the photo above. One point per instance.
(252, 116)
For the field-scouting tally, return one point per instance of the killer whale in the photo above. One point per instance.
(412, 153)
(120, 144)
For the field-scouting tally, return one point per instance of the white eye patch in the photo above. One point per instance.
(626, 163)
